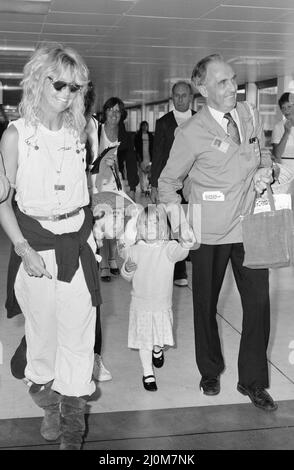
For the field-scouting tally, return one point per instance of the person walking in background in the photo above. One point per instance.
(218, 149)
(91, 128)
(149, 264)
(182, 96)
(144, 146)
(100, 373)
(283, 133)
(116, 142)
(53, 269)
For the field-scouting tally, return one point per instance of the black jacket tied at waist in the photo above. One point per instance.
(70, 249)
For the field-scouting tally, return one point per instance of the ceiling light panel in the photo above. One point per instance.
(95, 19)
(93, 6)
(173, 8)
(20, 27)
(284, 4)
(25, 6)
(245, 13)
(11, 75)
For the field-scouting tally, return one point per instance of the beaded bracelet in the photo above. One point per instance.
(22, 248)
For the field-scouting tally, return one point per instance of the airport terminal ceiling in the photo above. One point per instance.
(136, 49)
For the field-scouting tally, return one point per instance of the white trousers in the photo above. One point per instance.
(59, 323)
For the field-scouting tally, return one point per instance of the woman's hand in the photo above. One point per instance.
(34, 264)
(99, 231)
(262, 177)
(130, 266)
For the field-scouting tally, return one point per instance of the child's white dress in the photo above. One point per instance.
(151, 317)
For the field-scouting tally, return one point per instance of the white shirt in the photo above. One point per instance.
(219, 117)
(51, 177)
(182, 117)
(277, 134)
(104, 180)
(153, 277)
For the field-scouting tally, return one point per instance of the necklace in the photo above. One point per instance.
(57, 168)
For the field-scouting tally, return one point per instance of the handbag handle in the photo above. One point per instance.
(270, 199)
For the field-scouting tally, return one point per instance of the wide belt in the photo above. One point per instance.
(56, 217)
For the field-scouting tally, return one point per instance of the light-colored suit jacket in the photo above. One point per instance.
(220, 171)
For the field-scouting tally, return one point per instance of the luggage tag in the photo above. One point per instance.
(220, 144)
(282, 201)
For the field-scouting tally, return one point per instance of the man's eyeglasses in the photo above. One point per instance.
(59, 85)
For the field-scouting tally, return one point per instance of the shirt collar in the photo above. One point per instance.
(186, 115)
(217, 115)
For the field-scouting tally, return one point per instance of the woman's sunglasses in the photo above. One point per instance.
(59, 85)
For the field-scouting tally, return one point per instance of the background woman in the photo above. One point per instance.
(144, 146)
(112, 134)
(283, 133)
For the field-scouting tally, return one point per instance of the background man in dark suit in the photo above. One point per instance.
(182, 95)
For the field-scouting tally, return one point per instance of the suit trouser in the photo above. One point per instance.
(209, 266)
(180, 271)
(98, 332)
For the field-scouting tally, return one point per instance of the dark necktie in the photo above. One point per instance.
(233, 130)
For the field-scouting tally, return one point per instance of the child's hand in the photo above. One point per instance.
(187, 238)
(130, 265)
(98, 232)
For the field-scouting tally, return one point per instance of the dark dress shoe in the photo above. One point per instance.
(157, 360)
(150, 386)
(210, 385)
(114, 271)
(259, 397)
(105, 275)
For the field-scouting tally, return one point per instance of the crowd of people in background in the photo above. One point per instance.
(58, 156)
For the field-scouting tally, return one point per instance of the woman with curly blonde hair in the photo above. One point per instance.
(53, 271)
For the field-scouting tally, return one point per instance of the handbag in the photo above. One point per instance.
(268, 236)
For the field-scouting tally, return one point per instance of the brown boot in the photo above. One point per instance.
(49, 400)
(72, 422)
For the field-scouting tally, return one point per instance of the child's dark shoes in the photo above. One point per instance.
(158, 358)
(149, 386)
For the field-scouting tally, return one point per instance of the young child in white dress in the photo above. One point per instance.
(149, 264)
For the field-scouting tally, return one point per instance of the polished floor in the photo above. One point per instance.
(178, 416)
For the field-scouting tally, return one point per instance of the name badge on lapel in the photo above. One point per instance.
(213, 196)
(220, 144)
